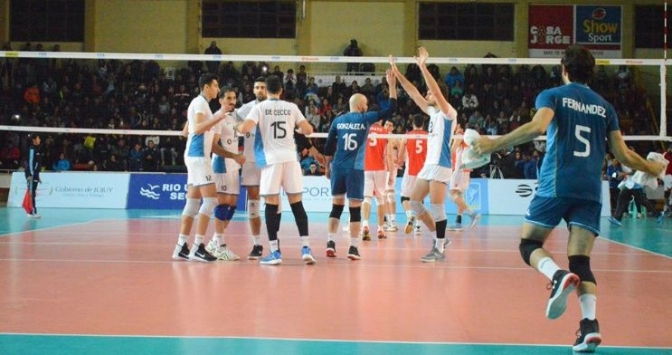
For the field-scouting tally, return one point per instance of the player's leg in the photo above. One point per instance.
(191, 206)
(269, 189)
(250, 179)
(437, 193)
(292, 183)
(366, 204)
(338, 190)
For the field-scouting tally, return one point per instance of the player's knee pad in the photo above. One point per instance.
(417, 208)
(438, 212)
(208, 206)
(580, 265)
(191, 207)
(380, 200)
(253, 209)
(230, 213)
(336, 211)
(527, 247)
(390, 196)
(404, 198)
(221, 211)
(355, 214)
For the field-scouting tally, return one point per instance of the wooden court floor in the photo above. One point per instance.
(102, 282)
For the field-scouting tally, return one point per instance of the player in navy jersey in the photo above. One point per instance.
(577, 122)
(346, 143)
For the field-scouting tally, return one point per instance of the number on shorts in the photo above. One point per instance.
(578, 131)
(350, 142)
(279, 130)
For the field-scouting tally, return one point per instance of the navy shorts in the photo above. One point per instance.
(348, 182)
(548, 211)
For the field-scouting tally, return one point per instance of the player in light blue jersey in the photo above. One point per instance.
(435, 175)
(346, 143)
(578, 122)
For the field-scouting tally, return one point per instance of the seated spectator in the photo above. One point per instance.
(113, 164)
(135, 158)
(151, 157)
(312, 170)
(63, 164)
(10, 156)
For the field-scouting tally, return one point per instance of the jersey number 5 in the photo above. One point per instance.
(279, 131)
(418, 146)
(580, 137)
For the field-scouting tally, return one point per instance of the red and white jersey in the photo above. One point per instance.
(457, 157)
(416, 152)
(374, 157)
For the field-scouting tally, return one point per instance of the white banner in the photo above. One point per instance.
(73, 190)
(512, 197)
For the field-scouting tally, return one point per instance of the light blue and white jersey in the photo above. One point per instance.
(228, 139)
(575, 142)
(199, 145)
(274, 140)
(439, 133)
(248, 145)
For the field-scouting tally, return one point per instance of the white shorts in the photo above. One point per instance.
(375, 183)
(229, 182)
(407, 183)
(251, 174)
(286, 175)
(460, 180)
(667, 182)
(199, 171)
(433, 172)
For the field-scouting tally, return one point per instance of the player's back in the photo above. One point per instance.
(350, 130)
(576, 142)
(276, 121)
(416, 152)
(439, 135)
(374, 156)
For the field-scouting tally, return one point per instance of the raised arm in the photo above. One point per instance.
(410, 89)
(631, 159)
(433, 86)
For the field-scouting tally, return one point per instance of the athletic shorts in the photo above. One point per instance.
(229, 182)
(375, 183)
(433, 172)
(348, 182)
(407, 183)
(251, 174)
(549, 211)
(199, 171)
(460, 180)
(286, 175)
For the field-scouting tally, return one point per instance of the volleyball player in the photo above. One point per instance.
(251, 172)
(413, 154)
(375, 180)
(393, 148)
(577, 122)
(275, 151)
(432, 180)
(227, 176)
(200, 177)
(346, 144)
(459, 183)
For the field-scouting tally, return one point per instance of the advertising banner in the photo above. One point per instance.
(73, 190)
(554, 27)
(551, 30)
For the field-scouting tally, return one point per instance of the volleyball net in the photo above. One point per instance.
(91, 106)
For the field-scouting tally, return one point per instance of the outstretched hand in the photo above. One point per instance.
(421, 59)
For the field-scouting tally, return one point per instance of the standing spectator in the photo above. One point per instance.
(353, 50)
(151, 158)
(33, 168)
(213, 65)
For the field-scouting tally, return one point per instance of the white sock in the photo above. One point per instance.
(305, 241)
(354, 242)
(330, 237)
(365, 224)
(588, 304)
(409, 214)
(256, 239)
(218, 239)
(440, 244)
(548, 267)
(182, 239)
(274, 245)
(391, 218)
(198, 240)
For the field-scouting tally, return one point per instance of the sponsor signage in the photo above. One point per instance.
(73, 190)
(553, 27)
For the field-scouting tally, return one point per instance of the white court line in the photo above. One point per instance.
(50, 228)
(308, 340)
